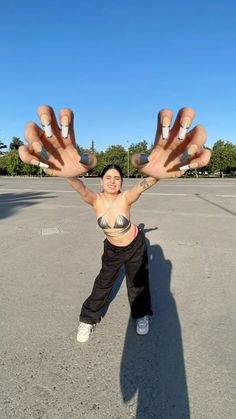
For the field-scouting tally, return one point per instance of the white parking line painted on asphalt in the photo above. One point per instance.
(193, 185)
(50, 230)
(64, 191)
(35, 190)
(167, 194)
(227, 196)
(184, 214)
(73, 191)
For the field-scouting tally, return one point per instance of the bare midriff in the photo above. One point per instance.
(123, 239)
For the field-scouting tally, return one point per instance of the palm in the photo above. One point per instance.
(65, 162)
(175, 150)
(162, 163)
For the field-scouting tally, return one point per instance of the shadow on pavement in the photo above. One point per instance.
(153, 366)
(216, 205)
(11, 203)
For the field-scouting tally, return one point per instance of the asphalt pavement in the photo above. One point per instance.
(50, 255)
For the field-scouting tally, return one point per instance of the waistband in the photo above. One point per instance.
(139, 235)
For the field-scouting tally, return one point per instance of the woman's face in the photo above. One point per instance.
(111, 181)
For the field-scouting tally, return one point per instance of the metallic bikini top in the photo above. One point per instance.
(121, 222)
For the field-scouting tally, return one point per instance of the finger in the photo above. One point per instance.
(34, 135)
(66, 118)
(138, 160)
(28, 157)
(196, 139)
(86, 163)
(164, 120)
(201, 160)
(52, 172)
(48, 120)
(88, 160)
(182, 123)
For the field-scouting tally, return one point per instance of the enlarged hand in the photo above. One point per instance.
(175, 150)
(54, 149)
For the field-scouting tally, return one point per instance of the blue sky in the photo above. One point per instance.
(117, 63)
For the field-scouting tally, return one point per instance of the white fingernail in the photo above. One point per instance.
(182, 133)
(186, 167)
(46, 123)
(189, 166)
(43, 165)
(39, 164)
(184, 126)
(165, 127)
(48, 130)
(165, 132)
(64, 126)
(64, 131)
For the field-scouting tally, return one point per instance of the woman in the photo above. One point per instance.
(124, 245)
(54, 150)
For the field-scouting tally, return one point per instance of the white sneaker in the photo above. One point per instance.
(142, 325)
(84, 331)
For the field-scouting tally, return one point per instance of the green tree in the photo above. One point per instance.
(15, 143)
(3, 168)
(223, 157)
(140, 147)
(101, 163)
(206, 169)
(11, 164)
(117, 154)
(93, 149)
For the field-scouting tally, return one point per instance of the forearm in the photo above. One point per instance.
(134, 193)
(77, 184)
(147, 183)
(86, 194)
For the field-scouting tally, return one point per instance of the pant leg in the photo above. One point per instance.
(137, 280)
(95, 303)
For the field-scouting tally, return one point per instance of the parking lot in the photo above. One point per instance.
(50, 254)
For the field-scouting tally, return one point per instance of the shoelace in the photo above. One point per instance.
(85, 327)
(143, 322)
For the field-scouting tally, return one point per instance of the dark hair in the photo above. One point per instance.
(112, 166)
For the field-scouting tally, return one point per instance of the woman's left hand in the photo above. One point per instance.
(175, 150)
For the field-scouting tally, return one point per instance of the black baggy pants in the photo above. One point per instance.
(135, 260)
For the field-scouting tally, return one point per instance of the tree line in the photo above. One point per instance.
(223, 160)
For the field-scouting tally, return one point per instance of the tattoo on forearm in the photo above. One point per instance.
(147, 183)
(144, 184)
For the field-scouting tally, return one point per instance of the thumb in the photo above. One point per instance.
(139, 159)
(89, 160)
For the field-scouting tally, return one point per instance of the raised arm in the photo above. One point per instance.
(86, 194)
(134, 193)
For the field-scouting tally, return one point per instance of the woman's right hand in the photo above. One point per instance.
(53, 148)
